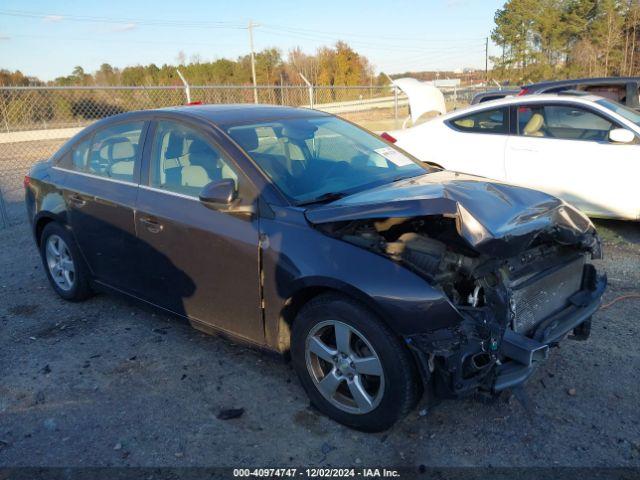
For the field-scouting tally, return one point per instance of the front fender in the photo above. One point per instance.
(296, 257)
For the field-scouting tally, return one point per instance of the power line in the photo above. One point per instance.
(139, 21)
(292, 31)
(378, 46)
(377, 37)
(121, 40)
(438, 49)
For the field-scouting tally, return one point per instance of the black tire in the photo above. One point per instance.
(401, 386)
(81, 288)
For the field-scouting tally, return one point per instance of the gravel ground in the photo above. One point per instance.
(109, 383)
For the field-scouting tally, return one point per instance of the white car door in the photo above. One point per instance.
(476, 142)
(564, 149)
(471, 143)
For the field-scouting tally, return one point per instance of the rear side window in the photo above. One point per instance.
(80, 156)
(617, 93)
(486, 121)
(112, 153)
(76, 158)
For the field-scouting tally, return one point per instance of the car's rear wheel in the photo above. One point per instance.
(354, 369)
(63, 264)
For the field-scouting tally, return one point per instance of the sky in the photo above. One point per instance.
(49, 38)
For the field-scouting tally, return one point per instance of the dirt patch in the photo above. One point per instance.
(23, 310)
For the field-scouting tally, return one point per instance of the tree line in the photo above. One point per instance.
(338, 65)
(546, 39)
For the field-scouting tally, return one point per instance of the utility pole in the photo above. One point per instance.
(253, 62)
(486, 61)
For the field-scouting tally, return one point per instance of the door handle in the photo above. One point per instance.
(152, 225)
(77, 200)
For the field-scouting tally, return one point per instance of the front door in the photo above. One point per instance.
(475, 143)
(565, 150)
(196, 262)
(100, 190)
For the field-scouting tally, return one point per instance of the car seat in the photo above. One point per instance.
(533, 128)
(122, 155)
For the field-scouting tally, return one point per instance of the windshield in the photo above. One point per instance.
(621, 110)
(322, 158)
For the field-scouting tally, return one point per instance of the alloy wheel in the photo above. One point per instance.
(60, 263)
(344, 367)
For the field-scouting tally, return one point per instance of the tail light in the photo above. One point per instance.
(388, 137)
(26, 181)
(524, 91)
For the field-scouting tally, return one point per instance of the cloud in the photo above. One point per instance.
(124, 27)
(53, 18)
(4, 37)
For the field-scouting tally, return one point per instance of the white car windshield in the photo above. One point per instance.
(317, 159)
(621, 110)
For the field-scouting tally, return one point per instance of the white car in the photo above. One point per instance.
(582, 148)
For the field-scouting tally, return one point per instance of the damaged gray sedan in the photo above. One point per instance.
(385, 279)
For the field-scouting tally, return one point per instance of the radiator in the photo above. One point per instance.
(543, 295)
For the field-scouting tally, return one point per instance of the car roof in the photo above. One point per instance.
(218, 114)
(579, 97)
(583, 81)
(242, 112)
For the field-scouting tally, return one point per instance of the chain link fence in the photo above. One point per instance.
(36, 121)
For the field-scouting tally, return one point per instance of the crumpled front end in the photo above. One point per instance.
(514, 314)
(513, 262)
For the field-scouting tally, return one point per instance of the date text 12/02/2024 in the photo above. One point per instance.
(316, 472)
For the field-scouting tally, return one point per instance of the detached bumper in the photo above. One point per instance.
(524, 354)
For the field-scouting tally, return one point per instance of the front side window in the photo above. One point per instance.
(485, 121)
(113, 152)
(184, 161)
(562, 122)
(316, 158)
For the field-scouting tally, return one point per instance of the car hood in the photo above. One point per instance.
(494, 218)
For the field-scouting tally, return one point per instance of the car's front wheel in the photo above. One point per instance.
(62, 262)
(354, 369)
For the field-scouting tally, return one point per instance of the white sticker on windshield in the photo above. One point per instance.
(394, 156)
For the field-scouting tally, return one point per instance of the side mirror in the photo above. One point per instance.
(222, 195)
(621, 135)
(219, 194)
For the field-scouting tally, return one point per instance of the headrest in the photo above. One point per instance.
(122, 148)
(246, 137)
(534, 124)
(466, 123)
(175, 146)
(197, 145)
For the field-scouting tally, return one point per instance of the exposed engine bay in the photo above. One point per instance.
(507, 304)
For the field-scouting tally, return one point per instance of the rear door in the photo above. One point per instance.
(100, 191)
(563, 149)
(197, 262)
